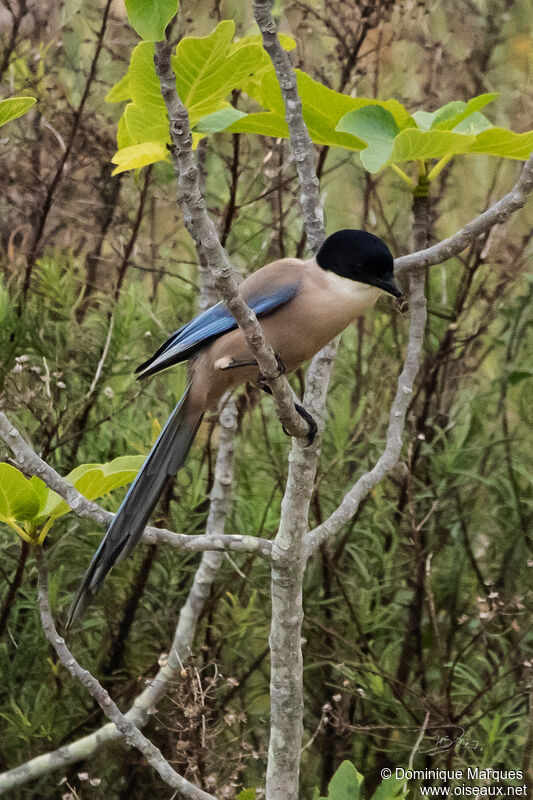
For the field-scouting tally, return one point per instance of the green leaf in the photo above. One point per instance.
(14, 107)
(218, 120)
(377, 127)
(149, 18)
(139, 155)
(41, 490)
(501, 142)
(424, 119)
(20, 498)
(450, 115)
(345, 784)
(389, 789)
(120, 91)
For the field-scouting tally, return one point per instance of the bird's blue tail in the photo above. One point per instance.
(165, 458)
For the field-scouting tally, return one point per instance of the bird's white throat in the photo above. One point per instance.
(345, 286)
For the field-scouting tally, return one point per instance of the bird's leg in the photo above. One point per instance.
(305, 415)
(262, 381)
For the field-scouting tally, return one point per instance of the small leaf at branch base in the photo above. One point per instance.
(14, 107)
(450, 115)
(20, 498)
(149, 18)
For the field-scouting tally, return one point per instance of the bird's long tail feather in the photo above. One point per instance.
(165, 458)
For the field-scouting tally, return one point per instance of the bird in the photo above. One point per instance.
(302, 305)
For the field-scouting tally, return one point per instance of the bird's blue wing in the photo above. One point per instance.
(209, 325)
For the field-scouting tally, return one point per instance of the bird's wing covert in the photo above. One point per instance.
(209, 325)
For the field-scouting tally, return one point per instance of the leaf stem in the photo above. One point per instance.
(405, 178)
(439, 166)
(21, 532)
(44, 531)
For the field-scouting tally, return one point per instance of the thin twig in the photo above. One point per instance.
(103, 357)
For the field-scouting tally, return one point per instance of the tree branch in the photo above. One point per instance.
(288, 554)
(30, 463)
(204, 233)
(127, 728)
(393, 447)
(302, 150)
(145, 703)
(496, 215)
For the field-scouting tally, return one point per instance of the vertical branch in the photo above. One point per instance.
(302, 149)
(208, 290)
(288, 554)
(412, 644)
(134, 234)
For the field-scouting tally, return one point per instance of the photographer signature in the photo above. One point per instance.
(443, 743)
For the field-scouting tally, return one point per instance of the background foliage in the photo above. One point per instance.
(424, 602)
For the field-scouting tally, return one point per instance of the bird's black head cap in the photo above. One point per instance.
(359, 256)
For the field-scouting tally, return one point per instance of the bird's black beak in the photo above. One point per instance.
(388, 285)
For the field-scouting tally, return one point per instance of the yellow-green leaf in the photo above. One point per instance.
(146, 116)
(14, 107)
(120, 91)
(93, 481)
(414, 145)
(139, 155)
(208, 68)
(20, 498)
(504, 143)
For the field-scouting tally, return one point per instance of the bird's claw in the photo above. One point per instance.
(306, 416)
